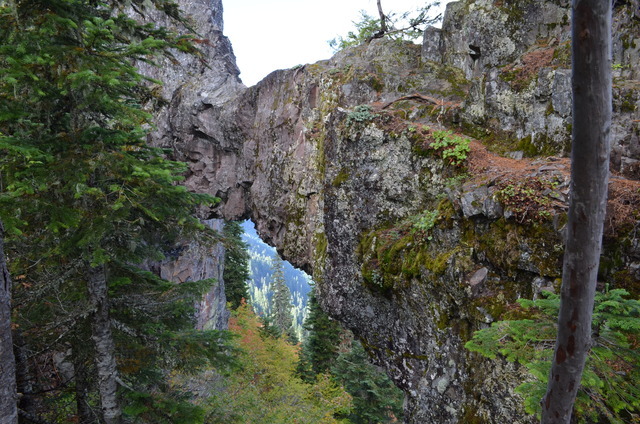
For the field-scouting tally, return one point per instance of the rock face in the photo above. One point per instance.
(334, 165)
(517, 55)
(195, 263)
(191, 84)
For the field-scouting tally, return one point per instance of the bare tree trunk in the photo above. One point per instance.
(591, 40)
(81, 379)
(8, 395)
(105, 357)
(24, 377)
(383, 19)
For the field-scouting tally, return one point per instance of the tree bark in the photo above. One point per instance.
(8, 395)
(105, 357)
(591, 44)
(24, 376)
(383, 19)
(81, 378)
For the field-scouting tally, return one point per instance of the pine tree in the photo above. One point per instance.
(320, 348)
(375, 398)
(83, 196)
(330, 350)
(281, 300)
(608, 391)
(236, 264)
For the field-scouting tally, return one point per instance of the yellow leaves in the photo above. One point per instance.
(267, 390)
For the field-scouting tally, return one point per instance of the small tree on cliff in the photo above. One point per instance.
(320, 348)
(591, 52)
(406, 26)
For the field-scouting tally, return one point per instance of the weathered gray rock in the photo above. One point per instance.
(336, 194)
(189, 85)
(198, 262)
(517, 56)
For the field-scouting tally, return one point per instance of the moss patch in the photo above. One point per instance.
(342, 176)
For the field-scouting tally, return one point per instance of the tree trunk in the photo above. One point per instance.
(8, 395)
(591, 44)
(383, 19)
(81, 378)
(105, 357)
(24, 377)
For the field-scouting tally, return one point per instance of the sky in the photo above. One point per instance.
(275, 34)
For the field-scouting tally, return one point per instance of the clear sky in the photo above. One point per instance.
(274, 34)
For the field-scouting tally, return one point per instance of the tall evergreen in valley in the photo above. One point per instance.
(84, 199)
(236, 264)
(375, 398)
(281, 300)
(330, 350)
(320, 347)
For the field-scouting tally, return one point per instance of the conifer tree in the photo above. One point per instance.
(281, 300)
(236, 264)
(320, 348)
(375, 398)
(83, 196)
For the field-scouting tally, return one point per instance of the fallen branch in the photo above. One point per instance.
(426, 99)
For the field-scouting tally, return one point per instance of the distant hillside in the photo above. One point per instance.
(298, 281)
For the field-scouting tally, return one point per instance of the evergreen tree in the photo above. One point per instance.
(84, 198)
(330, 350)
(609, 390)
(320, 348)
(281, 299)
(375, 398)
(236, 264)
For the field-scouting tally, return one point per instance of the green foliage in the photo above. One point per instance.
(408, 25)
(609, 388)
(450, 147)
(425, 222)
(236, 264)
(331, 350)
(81, 188)
(375, 398)
(320, 348)
(266, 390)
(281, 301)
(361, 114)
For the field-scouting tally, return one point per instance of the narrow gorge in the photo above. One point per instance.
(412, 249)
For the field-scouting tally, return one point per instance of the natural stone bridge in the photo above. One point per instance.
(339, 188)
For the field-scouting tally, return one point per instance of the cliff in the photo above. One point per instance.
(413, 249)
